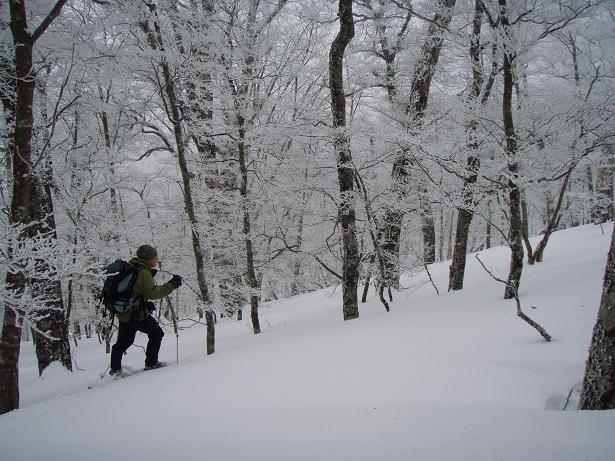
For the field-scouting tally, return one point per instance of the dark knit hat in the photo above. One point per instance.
(146, 252)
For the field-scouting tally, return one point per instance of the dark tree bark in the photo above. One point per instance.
(104, 99)
(389, 232)
(294, 290)
(22, 211)
(515, 237)
(198, 117)
(377, 253)
(415, 110)
(243, 189)
(603, 210)
(464, 220)
(241, 95)
(465, 214)
(54, 319)
(427, 228)
(54, 345)
(599, 382)
(554, 219)
(155, 40)
(345, 171)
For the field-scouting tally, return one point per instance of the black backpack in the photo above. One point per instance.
(117, 291)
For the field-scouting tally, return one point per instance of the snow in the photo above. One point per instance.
(455, 376)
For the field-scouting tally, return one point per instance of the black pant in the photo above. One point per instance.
(126, 336)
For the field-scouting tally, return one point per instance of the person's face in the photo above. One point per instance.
(153, 261)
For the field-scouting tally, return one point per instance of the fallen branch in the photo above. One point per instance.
(520, 312)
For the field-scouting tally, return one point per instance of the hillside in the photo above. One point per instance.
(449, 376)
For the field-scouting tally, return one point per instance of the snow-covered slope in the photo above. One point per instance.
(449, 376)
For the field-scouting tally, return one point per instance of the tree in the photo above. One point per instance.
(514, 194)
(479, 93)
(415, 109)
(245, 94)
(599, 381)
(169, 93)
(604, 207)
(26, 192)
(345, 170)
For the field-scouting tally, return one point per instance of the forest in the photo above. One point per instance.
(269, 148)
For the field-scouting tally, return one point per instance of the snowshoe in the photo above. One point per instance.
(153, 366)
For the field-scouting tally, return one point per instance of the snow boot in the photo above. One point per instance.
(153, 366)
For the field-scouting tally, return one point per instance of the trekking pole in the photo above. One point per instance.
(174, 318)
(175, 326)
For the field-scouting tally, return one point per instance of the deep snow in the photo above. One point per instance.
(455, 376)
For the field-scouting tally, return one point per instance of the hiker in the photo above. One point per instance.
(140, 319)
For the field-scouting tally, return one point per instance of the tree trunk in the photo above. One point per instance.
(21, 113)
(466, 212)
(294, 290)
(604, 186)
(345, 171)
(599, 382)
(554, 220)
(428, 228)
(156, 43)
(241, 98)
(415, 110)
(55, 345)
(198, 118)
(112, 191)
(9, 357)
(488, 227)
(458, 263)
(525, 231)
(449, 243)
(377, 253)
(464, 220)
(514, 194)
(251, 275)
(441, 236)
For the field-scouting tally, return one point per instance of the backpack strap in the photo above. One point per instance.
(141, 305)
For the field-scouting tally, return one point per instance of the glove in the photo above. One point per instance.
(149, 307)
(175, 282)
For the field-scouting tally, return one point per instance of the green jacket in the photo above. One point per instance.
(146, 289)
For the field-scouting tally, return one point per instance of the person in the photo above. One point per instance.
(140, 319)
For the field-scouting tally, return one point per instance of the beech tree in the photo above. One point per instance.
(28, 209)
(152, 29)
(414, 108)
(479, 94)
(345, 170)
(599, 383)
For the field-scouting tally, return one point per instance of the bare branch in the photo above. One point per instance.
(520, 312)
(54, 13)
